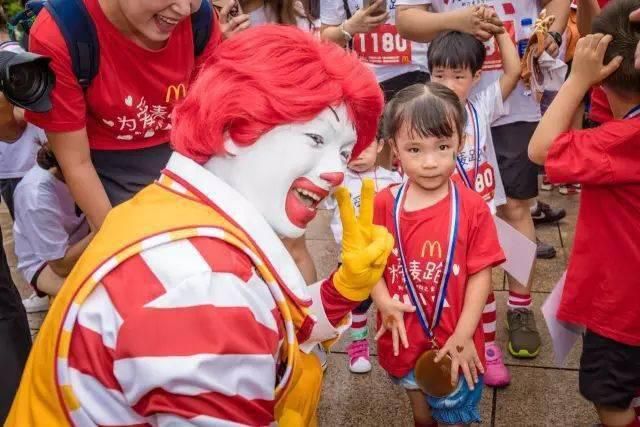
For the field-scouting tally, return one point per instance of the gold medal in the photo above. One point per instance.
(434, 378)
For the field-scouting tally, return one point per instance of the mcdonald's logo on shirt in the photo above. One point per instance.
(175, 92)
(432, 247)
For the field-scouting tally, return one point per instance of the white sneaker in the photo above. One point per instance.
(35, 304)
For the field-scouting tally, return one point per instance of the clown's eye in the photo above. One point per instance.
(345, 155)
(317, 139)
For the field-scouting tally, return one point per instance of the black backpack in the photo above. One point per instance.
(79, 32)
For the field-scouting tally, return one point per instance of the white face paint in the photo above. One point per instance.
(290, 169)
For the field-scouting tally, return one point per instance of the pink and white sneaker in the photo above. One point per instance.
(359, 361)
(496, 374)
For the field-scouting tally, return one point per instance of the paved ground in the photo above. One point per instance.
(540, 393)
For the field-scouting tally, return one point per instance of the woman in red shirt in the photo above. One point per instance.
(112, 139)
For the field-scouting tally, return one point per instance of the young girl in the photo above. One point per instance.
(439, 272)
(363, 167)
(50, 231)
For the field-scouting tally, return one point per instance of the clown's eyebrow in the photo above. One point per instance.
(335, 114)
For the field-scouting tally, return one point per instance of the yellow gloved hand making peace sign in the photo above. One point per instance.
(365, 246)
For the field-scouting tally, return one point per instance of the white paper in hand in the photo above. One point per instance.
(520, 251)
(563, 335)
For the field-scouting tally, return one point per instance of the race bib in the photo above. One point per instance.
(485, 183)
(493, 60)
(383, 46)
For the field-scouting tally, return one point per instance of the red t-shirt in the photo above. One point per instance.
(129, 103)
(600, 111)
(602, 284)
(425, 238)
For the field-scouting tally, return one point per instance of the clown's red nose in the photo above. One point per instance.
(333, 178)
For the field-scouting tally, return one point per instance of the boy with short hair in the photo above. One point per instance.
(601, 288)
(455, 60)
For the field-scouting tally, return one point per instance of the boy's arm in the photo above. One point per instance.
(587, 70)
(510, 64)
(587, 10)
(419, 24)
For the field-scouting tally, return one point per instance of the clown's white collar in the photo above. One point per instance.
(245, 215)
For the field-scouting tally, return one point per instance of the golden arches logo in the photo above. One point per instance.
(175, 92)
(432, 247)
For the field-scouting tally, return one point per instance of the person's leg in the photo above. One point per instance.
(520, 178)
(300, 254)
(358, 349)
(496, 373)
(421, 412)
(7, 188)
(609, 377)
(15, 337)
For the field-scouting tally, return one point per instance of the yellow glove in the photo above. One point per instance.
(365, 247)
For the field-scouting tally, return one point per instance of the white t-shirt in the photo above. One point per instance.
(46, 223)
(522, 106)
(388, 54)
(381, 177)
(17, 158)
(483, 108)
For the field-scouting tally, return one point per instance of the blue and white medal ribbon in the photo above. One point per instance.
(635, 111)
(427, 326)
(476, 145)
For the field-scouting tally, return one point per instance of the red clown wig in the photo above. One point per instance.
(269, 76)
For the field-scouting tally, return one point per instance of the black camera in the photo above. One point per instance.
(26, 80)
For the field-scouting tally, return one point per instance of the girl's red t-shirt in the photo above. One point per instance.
(129, 103)
(425, 239)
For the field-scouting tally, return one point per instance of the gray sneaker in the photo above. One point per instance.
(524, 339)
(544, 250)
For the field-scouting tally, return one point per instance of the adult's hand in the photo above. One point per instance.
(231, 25)
(635, 17)
(551, 47)
(366, 19)
(480, 21)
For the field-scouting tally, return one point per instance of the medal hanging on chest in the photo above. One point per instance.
(473, 117)
(433, 378)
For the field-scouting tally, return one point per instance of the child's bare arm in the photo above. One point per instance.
(587, 70)
(478, 288)
(419, 24)
(460, 345)
(510, 64)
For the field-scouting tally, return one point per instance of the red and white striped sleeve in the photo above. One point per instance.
(185, 332)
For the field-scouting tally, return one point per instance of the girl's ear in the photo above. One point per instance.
(381, 143)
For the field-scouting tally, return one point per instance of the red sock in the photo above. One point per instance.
(519, 301)
(431, 424)
(489, 320)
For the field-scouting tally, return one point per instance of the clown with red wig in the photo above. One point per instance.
(186, 309)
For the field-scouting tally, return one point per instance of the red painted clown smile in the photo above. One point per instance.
(302, 201)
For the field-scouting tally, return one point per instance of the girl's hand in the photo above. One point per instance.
(231, 25)
(463, 355)
(392, 314)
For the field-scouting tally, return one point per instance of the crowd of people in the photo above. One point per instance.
(419, 108)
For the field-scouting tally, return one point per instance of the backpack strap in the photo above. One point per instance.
(80, 34)
(201, 25)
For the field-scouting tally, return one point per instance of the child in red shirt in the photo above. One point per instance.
(441, 263)
(601, 288)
